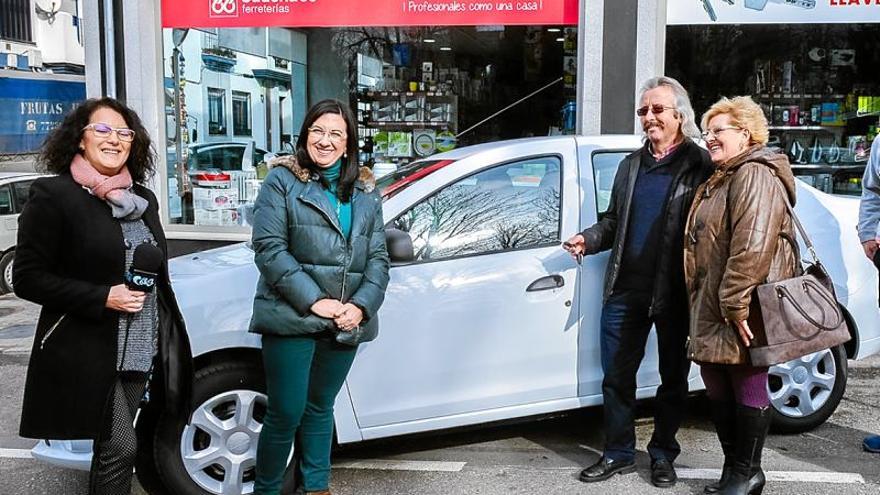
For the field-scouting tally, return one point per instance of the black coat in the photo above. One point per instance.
(70, 252)
(610, 231)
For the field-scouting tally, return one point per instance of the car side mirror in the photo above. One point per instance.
(399, 245)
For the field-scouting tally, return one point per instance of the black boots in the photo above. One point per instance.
(724, 419)
(746, 476)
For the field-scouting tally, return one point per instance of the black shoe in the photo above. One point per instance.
(605, 469)
(663, 473)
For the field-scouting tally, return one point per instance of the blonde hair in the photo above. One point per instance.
(743, 113)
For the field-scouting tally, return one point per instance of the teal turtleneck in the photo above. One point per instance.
(342, 210)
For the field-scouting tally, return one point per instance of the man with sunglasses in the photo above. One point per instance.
(644, 281)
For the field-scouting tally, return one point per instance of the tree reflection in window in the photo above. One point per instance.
(511, 206)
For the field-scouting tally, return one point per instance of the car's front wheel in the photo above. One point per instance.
(806, 391)
(216, 452)
(6, 270)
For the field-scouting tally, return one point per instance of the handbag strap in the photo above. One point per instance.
(797, 222)
(782, 291)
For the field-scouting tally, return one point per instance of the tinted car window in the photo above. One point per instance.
(219, 158)
(512, 206)
(5, 200)
(604, 169)
(21, 190)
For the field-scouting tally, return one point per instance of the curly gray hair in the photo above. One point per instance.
(682, 103)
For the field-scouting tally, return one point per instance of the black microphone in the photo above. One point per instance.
(876, 259)
(145, 265)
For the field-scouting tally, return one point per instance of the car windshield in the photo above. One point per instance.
(405, 176)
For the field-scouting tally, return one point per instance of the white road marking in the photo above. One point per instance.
(402, 465)
(798, 476)
(16, 454)
(454, 467)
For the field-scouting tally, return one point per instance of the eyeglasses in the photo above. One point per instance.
(103, 130)
(714, 132)
(656, 109)
(334, 136)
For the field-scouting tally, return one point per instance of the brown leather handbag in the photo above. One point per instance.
(796, 316)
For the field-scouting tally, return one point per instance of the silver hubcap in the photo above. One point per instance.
(219, 446)
(7, 275)
(801, 387)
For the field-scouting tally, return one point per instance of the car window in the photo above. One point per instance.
(605, 165)
(21, 190)
(511, 206)
(259, 155)
(219, 158)
(5, 200)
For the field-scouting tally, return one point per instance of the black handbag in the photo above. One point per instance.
(796, 316)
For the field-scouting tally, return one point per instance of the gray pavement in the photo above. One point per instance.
(534, 456)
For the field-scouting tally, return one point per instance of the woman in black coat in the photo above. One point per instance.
(97, 343)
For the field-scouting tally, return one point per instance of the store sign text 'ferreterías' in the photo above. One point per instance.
(338, 13)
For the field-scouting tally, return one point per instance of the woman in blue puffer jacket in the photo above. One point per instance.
(320, 247)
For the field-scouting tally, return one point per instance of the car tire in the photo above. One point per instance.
(6, 271)
(221, 391)
(806, 391)
(145, 466)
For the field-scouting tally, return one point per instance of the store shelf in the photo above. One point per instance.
(858, 115)
(408, 124)
(798, 96)
(827, 168)
(387, 94)
(804, 127)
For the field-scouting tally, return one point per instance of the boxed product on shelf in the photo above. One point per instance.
(400, 144)
(207, 198)
(386, 110)
(831, 114)
(412, 108)
(436, 111)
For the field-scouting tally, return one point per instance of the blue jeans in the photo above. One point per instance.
(626, 324)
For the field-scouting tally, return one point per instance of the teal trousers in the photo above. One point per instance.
(303, 377)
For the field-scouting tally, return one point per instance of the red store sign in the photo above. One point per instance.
(340, 13)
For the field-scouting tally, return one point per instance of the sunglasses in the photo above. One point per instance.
(103, 130)
(656, 109)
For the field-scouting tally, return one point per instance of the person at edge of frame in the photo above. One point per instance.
(869, 218)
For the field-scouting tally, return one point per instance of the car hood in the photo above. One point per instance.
(211, 262)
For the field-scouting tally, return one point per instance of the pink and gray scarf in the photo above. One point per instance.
(114, 190)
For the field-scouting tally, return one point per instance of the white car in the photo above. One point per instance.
(486, 318)
(14, 187)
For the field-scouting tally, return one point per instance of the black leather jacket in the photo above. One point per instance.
(610, 231)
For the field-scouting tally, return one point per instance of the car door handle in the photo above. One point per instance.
(546, 283)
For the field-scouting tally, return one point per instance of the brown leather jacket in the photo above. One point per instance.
(739, 235)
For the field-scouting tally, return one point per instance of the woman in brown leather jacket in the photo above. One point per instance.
(735, 240)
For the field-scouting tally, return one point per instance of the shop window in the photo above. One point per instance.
(605, 165)
(15, 23)
(508, 207)
(241, 113)
(216, 111)
(816, 83)
(416, 92)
